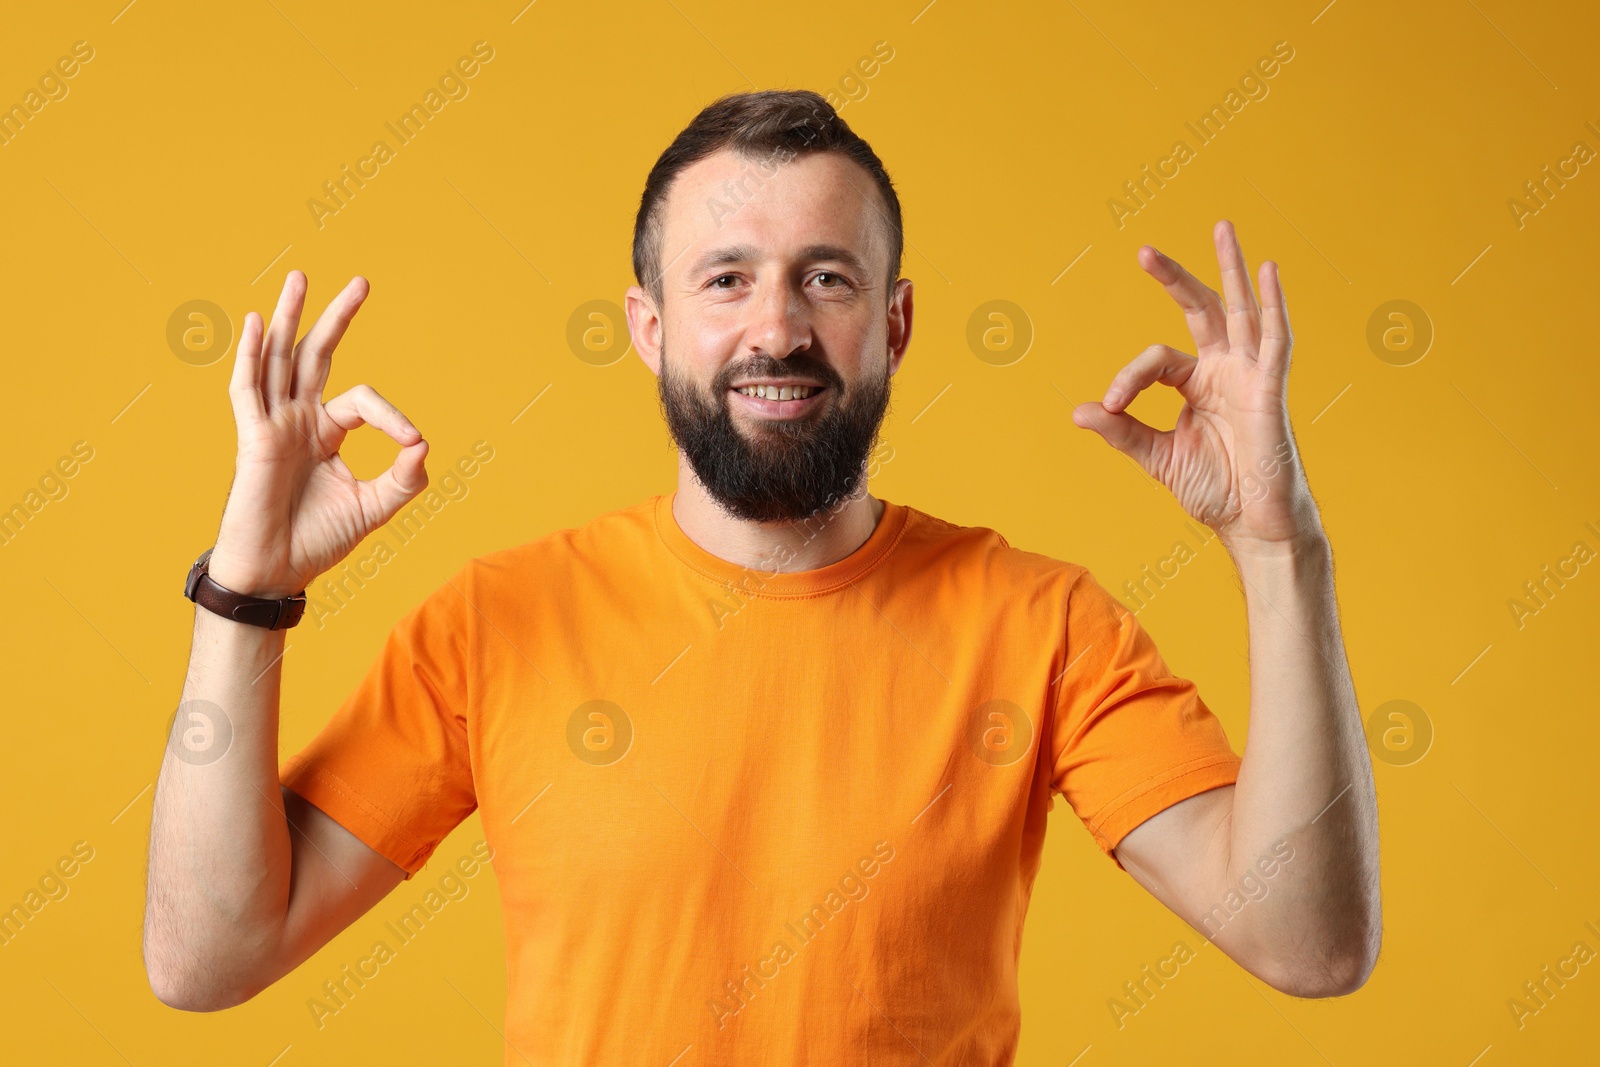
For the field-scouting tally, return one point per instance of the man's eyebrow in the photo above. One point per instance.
(716, 257)
(836, 253)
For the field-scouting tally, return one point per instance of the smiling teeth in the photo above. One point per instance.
(775, 392)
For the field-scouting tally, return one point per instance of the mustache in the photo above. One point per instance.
(798, 365)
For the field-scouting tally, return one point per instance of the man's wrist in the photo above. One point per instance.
(235, 603)
(1309, 543)
(241, 580)
(1307, 552)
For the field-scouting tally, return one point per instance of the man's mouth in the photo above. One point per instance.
(779, 401)
(780, 392)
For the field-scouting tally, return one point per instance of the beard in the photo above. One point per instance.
(778, 469)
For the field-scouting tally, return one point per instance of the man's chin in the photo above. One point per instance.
(772, 434)
(741, 416)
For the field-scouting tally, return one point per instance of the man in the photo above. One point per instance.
(765, 762)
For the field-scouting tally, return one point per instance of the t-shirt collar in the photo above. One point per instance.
(762, 580)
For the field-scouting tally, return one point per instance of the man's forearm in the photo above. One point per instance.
(219, 841)
(1306, 779)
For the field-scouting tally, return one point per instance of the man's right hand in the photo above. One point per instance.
(295, 509)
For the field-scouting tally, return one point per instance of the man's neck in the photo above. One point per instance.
(802, 545)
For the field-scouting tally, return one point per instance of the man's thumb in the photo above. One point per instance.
(1120, 430)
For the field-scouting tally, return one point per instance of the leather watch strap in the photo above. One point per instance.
(271, 614)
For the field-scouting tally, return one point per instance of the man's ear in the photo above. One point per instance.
(644, 327)
(899, 322)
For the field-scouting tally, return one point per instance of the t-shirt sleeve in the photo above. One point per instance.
(1128, 738)
(392, 765)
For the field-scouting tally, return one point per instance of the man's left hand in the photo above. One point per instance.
(1231, 459)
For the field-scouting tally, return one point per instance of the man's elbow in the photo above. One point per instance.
(1333, 979)
(189, 988)
(189, 996)
(1335, 972)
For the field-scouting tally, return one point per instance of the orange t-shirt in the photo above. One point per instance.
(766, 817)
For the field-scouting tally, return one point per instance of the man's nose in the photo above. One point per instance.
(780, 320)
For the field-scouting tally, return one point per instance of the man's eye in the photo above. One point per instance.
(838, 279)
(722, 277)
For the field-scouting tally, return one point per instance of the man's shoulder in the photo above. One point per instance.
(940, 542)
(610, 538)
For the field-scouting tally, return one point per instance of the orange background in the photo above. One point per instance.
(1378, 167)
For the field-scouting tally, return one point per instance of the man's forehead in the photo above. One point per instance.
(777, 203)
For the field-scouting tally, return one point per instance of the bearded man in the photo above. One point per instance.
(764, 763)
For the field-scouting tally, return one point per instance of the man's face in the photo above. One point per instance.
(774, 276)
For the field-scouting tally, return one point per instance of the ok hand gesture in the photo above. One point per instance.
(295, 508)
(1231, 459)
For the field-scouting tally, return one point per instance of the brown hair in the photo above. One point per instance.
(759, 125)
